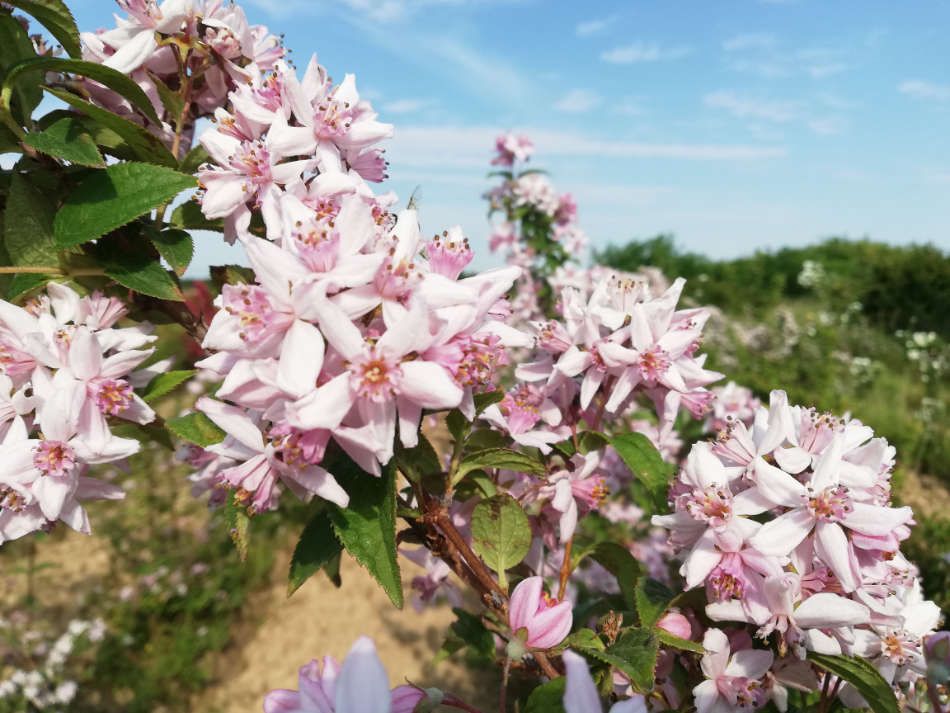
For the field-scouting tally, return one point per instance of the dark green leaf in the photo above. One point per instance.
(188, 216)
(67, 139)
(195, 428)
(500, 458)
(548, 697)
(25, 282)
(653, 599)
(634, 653)
(108, 77)
(164, 384)
(15, 47)
(55, 17)
(171, 100)
(861, 674)
(582, 639)
(483, 401)
(501, 533)
(110, 198)
(316, 549)
(467, 631)
(675, 642)
(193, 159)
(419, 462)
(28, 225)
(621, 564)
(176, 246)
(367, 526)
(139, 272)
(647, 465)
(142, 144)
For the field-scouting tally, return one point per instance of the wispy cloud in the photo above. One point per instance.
(594, 26)
(746, 107)
(578, 101)
(922, 89)
(827, 125)
(644, 52)
(453, 147)
(749, 41)
(406, 106)
(629, 107)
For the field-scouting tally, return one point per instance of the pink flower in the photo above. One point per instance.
(734, 680)
(511, 148)
(676, 624)
(544, 621)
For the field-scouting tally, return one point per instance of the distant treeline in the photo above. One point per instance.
(899, 287)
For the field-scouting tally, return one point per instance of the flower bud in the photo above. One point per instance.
(676, 624)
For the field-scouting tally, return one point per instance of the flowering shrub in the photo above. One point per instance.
(314, 369)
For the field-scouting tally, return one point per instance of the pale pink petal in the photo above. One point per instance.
(429, 385)
(828, 611)
(362, 686)
(782, 535)
(324, 408)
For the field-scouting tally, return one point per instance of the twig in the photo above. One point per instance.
(503, 693)
(565, 569)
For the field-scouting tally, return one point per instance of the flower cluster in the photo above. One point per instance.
(202, 49)
(66, 370)
(355, 324)
(789, 526)
(732, 403)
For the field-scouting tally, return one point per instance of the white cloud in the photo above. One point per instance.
(820, 71)
(643, 52)
(629, 107)
(448, 147)
(578, 101)
(744, 107)
(749, 41)
(406, 106)
(827, 125)
(593, 27)
(922, 89)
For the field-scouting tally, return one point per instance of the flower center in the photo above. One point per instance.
(831, 504)
(711, 504)
(376, 375)
(113, 396)
(54, 458)
(520, 408)
(899, 647)
(251, 305)
(654, 363)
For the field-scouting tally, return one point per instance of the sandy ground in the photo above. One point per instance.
(320, 619)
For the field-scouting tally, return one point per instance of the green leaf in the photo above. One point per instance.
(367, 526)
(621, 564)
(315, 549)
(140, 272)
(142, 144)
(419, 462)
(548, 697)
(486, 399)
(110, 198)
(16, 46)
(582, 639)
(861, 674)
(231, 275)
(171, 100)
(653, 599)
(164, 384)
(647, 465)
(188, 216)
(195, 428)
(238, 525)
(55, 17)
(108, 77)
(501, 533)
(500, 458)
(634, 653)
(675, 642)
(25, 282)
(28, 225)
(194, 158)
(467, 631)
(67, 139)
(176, 246)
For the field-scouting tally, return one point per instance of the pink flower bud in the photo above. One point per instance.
(546, 620)
(676, 624)
(406, 698)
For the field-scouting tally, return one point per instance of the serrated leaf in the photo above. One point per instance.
(164, 384)
(106, 76)
(500, 458)
(143, 145)
(28, 225)
(582, 639)
(675, 642)
(176, 246)
(861, 674)
(316, 548)
(188, 216)
(108, 199)
(67, 139)
(195, 428)
(501, 533)
(622, 565)
(634, 653)
(55, 17)
(367, 526)
(467, 631)
(647, 465)
(140, 272)
(653, 599)
(548, 697)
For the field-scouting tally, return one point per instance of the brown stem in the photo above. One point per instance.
(503, 692)
(545, 663)
(565, 569)
(31, 270)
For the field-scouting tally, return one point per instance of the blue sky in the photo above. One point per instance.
(736, 124)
